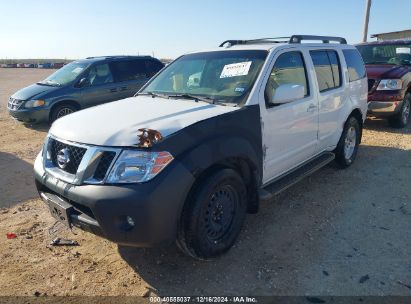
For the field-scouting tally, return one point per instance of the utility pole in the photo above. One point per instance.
(366, 19)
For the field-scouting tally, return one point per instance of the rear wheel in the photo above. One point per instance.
(401, 119)
(347, 147)
(214, 215)
(62, 110)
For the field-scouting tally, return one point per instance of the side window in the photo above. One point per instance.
(99, 74)
(289, 68)
(327, 68)
(153, 67)
(126, 70)
(355, 65)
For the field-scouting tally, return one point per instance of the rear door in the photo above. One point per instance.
(330, 91)
(289, 129)
(130, 76)
(99, 86)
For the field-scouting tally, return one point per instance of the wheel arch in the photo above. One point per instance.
(236, 154)
(358, 115)
(62, 102)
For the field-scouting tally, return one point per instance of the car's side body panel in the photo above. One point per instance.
(292, 133)
(289, 130)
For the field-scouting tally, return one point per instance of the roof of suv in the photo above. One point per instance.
(113, 58)
(272, 43)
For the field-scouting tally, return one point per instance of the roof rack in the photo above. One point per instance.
(292, 39)
(255, 41)
(324, 39)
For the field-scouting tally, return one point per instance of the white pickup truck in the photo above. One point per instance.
(204, 141)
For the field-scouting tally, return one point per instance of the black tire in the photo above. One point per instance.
(61, 110)
(347, 147)
(401, 119)
(205, 232)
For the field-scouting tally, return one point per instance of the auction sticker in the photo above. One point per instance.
(235, 69)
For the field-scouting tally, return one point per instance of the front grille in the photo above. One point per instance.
(371, 83)
(76, 155)
(104, 164)
(14, 104)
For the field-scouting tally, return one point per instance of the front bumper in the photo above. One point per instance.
(154, 206)
(34, 115)
(384, 108)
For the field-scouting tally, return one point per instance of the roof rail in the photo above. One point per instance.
(118, 56)
(324, 39)
(255, 41)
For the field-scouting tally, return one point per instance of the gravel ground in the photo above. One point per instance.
(338, 232)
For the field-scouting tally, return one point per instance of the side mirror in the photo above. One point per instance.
(287, 92)
(83, 82)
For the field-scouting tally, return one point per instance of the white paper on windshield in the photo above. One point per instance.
(77, 70)
(403, 50)
(235, 69)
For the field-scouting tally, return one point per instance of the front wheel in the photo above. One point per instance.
(214, 215)
(61, 110)
(403, 117)
(347, 147)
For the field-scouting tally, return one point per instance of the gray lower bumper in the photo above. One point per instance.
(384, 107)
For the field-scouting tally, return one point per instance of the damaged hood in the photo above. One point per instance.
(118, 123)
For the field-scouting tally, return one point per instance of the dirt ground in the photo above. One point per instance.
(338, 232)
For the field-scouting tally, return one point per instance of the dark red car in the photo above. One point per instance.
(388, 65)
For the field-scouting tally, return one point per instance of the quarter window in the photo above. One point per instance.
(327, 68)
(355, 65)
(289, 68)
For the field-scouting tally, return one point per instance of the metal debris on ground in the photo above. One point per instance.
(64, 242)
(57, 227)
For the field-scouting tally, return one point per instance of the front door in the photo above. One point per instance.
(99, 86)
(289, 129)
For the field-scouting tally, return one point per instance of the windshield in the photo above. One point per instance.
(222, 76)
(65, 75)
(399, 54)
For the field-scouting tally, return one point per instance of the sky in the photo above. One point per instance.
(166, 29)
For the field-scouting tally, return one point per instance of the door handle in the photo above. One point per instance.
(312, 107)
(123, 88)
(113, 90)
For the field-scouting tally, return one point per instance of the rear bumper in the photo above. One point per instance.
(30, 115)
(154, 207)
(384, 108)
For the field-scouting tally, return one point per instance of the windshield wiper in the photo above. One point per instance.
(49, 83)
(196, 98)
(152, 94)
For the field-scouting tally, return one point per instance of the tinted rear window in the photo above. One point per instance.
(153, 67)
(127, 70)
(327, 68)
(355, 65)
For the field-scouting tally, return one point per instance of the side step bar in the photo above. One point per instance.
(287, 180)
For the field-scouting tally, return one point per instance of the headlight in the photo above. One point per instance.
(390, 84)
(135, 166)
(34, 103)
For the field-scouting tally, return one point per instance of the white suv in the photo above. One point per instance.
(204, 141)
